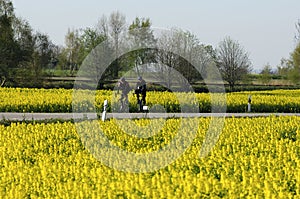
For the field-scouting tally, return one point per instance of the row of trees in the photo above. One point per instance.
(230, 57)
(26, 55)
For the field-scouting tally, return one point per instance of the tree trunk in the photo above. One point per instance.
(231, 85)
(2, 81)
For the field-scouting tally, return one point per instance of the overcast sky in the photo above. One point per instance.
(265, 28)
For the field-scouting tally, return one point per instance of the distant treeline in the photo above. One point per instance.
(29, 58)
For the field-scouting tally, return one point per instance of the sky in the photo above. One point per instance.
(265, 28)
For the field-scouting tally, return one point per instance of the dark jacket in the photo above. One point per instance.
(141, 87)
(124, 87)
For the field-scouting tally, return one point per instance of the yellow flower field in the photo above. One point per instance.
(253, 158)
(61, 100)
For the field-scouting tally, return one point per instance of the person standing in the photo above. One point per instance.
(141, 90)
(123, 85)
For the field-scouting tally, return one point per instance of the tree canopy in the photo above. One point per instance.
(233, 61)
(28, 55)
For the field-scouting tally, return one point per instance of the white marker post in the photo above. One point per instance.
(104, 110)
(146, 110)
(249, 103)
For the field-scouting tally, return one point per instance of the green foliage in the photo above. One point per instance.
(296, 56)
(8, 45)
(89, 39)
(266, 73)
(142, 36)
(289, 134)
(23, 53)
(295, 72)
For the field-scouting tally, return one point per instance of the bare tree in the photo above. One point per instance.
(195, 53)
(183, 52)
(117, 26)
(72, 42)
(232, 61)
(297, 36)
(102, 26)
(166, 57)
